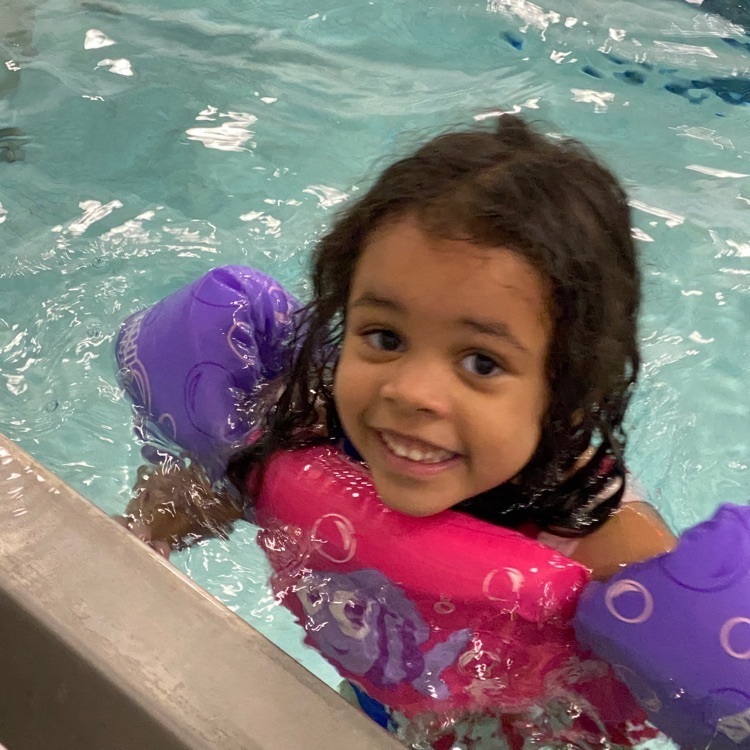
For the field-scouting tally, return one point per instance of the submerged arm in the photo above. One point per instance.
(174, 504)
(202, 367)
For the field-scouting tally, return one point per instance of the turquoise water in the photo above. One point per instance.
(141, 146)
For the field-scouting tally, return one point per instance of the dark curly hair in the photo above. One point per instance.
(549, 200)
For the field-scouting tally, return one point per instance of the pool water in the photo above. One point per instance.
(141, 146)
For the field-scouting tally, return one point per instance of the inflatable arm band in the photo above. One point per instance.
(191, 362)
(677, 630)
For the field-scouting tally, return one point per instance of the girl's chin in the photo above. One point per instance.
(419, 508)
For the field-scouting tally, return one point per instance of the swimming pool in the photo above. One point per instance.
(140, 147)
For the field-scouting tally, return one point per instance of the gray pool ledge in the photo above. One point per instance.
(106, 646)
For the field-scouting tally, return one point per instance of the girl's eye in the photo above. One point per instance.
(384, 340)
(481, 365)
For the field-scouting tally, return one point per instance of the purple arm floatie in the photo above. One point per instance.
(190, 362)
(677, 631)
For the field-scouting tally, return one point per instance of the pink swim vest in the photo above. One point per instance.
(445, 614)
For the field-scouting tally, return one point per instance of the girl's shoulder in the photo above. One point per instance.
(635, 532)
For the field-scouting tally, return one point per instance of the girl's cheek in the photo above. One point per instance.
(343, 384)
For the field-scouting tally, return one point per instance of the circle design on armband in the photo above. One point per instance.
(218, 288)
(239, 333)
(444, 607)
(726, 634)
(324, 533)
(168, 425)
(515, 577)
(622, 588)
(203, 381)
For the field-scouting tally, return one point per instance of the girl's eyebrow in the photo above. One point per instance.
(370, 299)
(494, 328)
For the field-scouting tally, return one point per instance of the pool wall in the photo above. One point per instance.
(103, 644)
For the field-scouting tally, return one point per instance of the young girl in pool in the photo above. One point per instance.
(472, 340)
(478, 308)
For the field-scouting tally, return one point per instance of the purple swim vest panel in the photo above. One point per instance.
(676, 629)
(193, 363)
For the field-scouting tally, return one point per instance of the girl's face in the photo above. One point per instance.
(441, 385)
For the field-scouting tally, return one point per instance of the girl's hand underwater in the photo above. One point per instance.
(175, 504)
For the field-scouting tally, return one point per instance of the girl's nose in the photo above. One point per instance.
(416, 385)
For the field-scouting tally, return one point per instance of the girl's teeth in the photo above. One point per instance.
(413, 454)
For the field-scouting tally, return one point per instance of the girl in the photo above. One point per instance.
(477, 309)
(472, 341)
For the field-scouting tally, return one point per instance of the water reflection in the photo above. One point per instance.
(93, 211)
(230, 135)
(120, 67)
(96, 39)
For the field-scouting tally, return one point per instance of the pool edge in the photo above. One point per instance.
(105, 644)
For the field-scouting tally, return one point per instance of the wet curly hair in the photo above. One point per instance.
(549, 200)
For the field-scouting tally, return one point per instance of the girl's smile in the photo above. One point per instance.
(414, 457)
(441, 385)
(413, 449)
